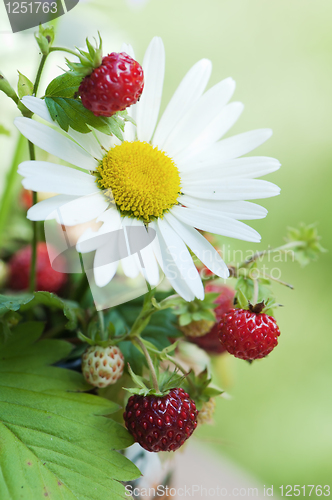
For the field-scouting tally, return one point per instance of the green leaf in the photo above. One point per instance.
(55, 443)
(71, 113)
(25, 302)
(308, 245)
(65, 85)
(4, 130)
(24, 86)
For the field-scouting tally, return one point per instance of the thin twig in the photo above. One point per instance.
(150, 364)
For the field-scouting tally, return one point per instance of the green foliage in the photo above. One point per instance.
(196, 310)
(167, 380)
(200, 388)
(24, 302)
(4, 130)
(66, 109)
(55, 441)
(65, 85)
(88, 60)
(24, 86)
(158, 332)
(308, 247)
(45, 38)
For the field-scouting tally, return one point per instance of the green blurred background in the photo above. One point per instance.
(278, 424)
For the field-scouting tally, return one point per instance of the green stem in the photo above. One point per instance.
(283, 248)
(177, 364)
(144, 317)
(32, 279)
(39, 73)
(256, 290)
(82, 288)
(63, 49)
(9, 189)
(138, 340)
(102, 325)
(268, 276)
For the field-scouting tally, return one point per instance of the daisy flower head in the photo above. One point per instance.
(171, 178)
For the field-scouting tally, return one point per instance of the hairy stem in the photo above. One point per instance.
(63, 49)
(283, 248)
(10, 184)
(138, 340)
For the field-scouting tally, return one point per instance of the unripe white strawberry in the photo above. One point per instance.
(197, 328)
(205, 415)
(102, 366)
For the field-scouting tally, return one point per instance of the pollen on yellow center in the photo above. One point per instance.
(140, 179)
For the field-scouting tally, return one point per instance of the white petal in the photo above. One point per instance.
(239, 189)
(150, 269)
(199, 116)
(149, 104)
(130, 267)
(182, 258)
(200, 246)
(106, 141)
(37, 106)
(241, 144)
(216, 223)
(129, 264)
(170, 268)
(129, 133)
(87, 141)
(103, 273)
(43, 209)
(213, 131)
(228, 149)
(53, 178)
(91, 240)
(190, 89)
(82, 209)
(128, 49)
(249, 168)
(243, 210)
(55, 143)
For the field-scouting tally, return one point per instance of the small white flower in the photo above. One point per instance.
(175, 176)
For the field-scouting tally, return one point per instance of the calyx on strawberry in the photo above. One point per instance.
(102, 366)
(195, 318)
(111, 83)
(48, 280)
(210, 341)
(161, 423)
(248, 334)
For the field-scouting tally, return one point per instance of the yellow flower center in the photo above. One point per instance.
(141, 180)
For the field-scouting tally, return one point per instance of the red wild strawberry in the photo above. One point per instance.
(210, 341)
(248, 335)
(113, 86)
(161, 423)
(48, 279)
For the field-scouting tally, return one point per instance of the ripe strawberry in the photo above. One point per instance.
(248, 335)
(161, 423)
(113, 86)
(48, 279)
(210, 341)
(102, 366)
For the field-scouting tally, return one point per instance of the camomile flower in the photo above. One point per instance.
(174, 177)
